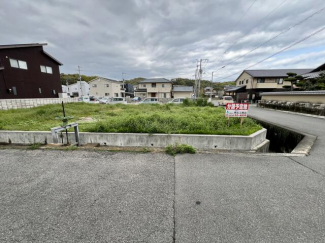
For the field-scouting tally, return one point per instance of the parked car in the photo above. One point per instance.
(177, 101)
(225, 100)
(93, 99)
(117, 100)
(105, 100)
(138, 99)
(84, 99)
(150, 101)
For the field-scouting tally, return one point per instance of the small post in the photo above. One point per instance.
(241, 121)
(76, 132)
(66, 130)
(228, 122)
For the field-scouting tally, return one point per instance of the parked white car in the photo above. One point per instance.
(105, 100)
(150, 101)
(225, 100)
(117, 100)
(177, 101)
(84, 99)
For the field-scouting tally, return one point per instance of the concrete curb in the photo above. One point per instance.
(198, 141)
(303, 147)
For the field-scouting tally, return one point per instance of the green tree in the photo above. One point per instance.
(73, 78)
(293, 78)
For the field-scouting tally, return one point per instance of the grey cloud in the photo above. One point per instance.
(164, 37)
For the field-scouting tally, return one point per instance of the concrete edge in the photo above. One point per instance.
(198, 141)
(304, 146)
(294, 113)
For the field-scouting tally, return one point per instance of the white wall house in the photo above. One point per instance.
(81, 88)
(104, 87)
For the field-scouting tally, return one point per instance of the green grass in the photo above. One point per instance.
(179, 149)
(168, 119)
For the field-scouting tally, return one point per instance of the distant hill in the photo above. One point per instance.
(73, 78)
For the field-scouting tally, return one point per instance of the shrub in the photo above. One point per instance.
(179, 149)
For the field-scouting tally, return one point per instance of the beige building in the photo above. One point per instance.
(296, 96)
(180, 91)
(155, 87)
(254, 82)
(104, 87)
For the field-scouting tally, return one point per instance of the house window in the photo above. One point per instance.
(40, 90)
(46, 69)
(94, 85)
(14, 89)
(261, 80)
(163, 85)
(53, 91)
(106, 85)
(116, 94)
(107, 94)
(247, 81)
(165, 95)
(144, 86)
(279, 80)
(18, 64)
(153, 85)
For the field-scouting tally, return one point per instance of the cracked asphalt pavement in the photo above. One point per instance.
(86, 196)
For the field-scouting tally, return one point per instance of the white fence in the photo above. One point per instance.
(7, 104)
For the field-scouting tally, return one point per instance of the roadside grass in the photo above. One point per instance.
(35, 146)
(167, 119)
(179, 149)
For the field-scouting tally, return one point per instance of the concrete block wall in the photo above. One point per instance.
(7, 104)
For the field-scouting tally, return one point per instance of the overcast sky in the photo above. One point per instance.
(164, 38)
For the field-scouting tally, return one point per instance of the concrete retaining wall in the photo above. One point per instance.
(198, 141)
(6, 104)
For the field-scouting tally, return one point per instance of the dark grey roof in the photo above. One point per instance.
(318, 92)
(105, 79)
(22, 45)
(276, 73)
(140, 90)
(312, 74)
(180, 88)
(156, 80)
(208, 88)
(236, 88)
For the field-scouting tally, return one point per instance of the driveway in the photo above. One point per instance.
(80, 196)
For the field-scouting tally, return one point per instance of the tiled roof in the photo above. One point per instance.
(276, 73)
(180, 88)
(156, 80)
(317, 92)
(234, 88)
(312, 75)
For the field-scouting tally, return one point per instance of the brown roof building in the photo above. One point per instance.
(27, 71)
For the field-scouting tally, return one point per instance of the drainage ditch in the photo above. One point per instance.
(282, 140)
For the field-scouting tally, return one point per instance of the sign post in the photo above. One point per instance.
(236, 110)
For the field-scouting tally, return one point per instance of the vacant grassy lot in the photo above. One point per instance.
(128, 118)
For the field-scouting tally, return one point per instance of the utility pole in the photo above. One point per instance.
(123, 82)
(198, 77)
(211, 87)
(79, 70)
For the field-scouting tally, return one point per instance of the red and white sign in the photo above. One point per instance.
(236, 110)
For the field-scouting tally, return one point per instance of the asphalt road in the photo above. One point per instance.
(74, 196)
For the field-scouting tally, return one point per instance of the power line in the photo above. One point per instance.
(281, 33)
(282, 50)
(237, 24)
(258, 23)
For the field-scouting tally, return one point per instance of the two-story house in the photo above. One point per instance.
(79, 89)
(104, 87)
(251, 83)
(27, 71)
(154, 87)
